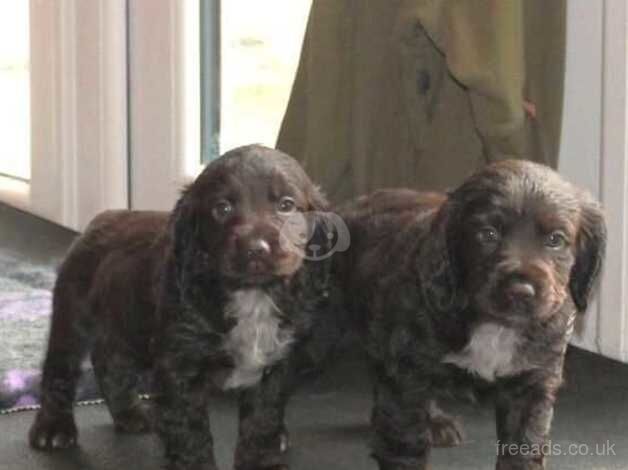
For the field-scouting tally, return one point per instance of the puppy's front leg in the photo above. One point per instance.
(524, 410)
(262, 438)
(182, 419)
(401, 424)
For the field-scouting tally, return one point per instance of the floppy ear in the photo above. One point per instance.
(182, 222)
(184, 231)
(590, 251)
(438, 264)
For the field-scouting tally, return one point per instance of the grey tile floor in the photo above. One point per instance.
(328, 418)
(35, 239)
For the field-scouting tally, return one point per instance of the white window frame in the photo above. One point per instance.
(165, 100)
(78, 112)
(613, 308)
(594, 153)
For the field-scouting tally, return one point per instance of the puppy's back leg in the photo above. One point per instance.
(118, 375)
(400, 421)
(68, 343)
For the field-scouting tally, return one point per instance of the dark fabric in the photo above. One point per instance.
(420, 93)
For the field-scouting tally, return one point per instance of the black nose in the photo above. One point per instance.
(257, 248)
(520, 289)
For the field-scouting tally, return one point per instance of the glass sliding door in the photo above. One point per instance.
(259, 50)
(15, 154)
(218, 75)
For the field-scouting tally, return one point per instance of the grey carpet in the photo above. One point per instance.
(24, 315)
(25, 306)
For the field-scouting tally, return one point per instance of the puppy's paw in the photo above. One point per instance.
(446, 430)
(136, 420)
(53, 431)
(271, 458)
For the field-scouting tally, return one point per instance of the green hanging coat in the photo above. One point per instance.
(419, 93)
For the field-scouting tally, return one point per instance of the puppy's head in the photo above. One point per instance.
(229, 220)
(517, 242)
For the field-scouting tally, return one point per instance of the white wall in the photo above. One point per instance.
(593, 152)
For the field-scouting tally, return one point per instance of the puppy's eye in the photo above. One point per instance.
(286, 205)
(222, 209)
(556, 240)
(487, 235)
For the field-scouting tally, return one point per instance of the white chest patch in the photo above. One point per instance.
(490, 353)
(256, 341)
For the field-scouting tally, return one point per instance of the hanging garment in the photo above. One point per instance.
(420, 93)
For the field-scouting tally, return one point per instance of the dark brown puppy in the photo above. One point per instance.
(477, 287)
(209, 295)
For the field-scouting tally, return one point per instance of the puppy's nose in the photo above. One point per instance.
(257, 248)
(520, 289)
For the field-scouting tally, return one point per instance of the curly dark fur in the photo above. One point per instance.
(149, 290)
(479, 287)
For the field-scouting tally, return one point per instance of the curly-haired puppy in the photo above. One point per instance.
(206, 296)
(479, 287)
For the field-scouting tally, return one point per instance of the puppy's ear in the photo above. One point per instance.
(590, 251)
(184, 231)
(438, 263)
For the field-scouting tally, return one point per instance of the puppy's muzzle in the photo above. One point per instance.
(257, 248)
(518, 289)
(523, 286)
(256, 254)
(516, 295)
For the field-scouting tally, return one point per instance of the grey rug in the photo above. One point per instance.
(25, 307)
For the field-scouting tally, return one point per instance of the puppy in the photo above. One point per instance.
(479, 287)
(208, 295)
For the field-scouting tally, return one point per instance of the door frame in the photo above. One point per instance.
(165, 97)
(594, 154)
(78, 112)
(613, 311)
